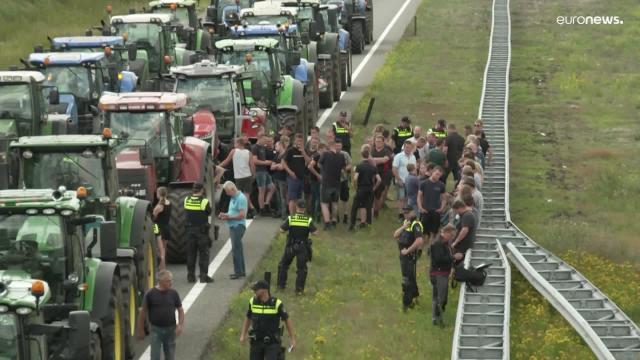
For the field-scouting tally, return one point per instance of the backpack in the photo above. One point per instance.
(471, 277)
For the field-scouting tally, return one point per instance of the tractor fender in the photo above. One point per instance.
(298, 95)
(194, 155)
(291, 108)
(343, 39)
(329, 44)
(126, 254)
(100, 285)
(358, 18)
(204, 123)
(300, 71)
(285, 93)
(312, 52)
(138, 223)
(130, 221)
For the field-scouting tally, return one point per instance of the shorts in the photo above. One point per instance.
(400, 192)
(386, 178)
(344, 190)
(263, 179)
(164, 232)
(380, 190)
(307, 185)
(430, 222)
(245, 184)
(363, 199)
(328, 194)
(294, 188)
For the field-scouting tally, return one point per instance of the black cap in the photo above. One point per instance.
(260, 284)
(198, 186)
(344, 113)
(406, 119)
(301, 204)
(407, 208)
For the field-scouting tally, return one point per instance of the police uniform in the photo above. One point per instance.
(439, 134)
(408, 262)
(400, 135)
(342, 133)
(265, 333)
(197, 209)
(298, 246)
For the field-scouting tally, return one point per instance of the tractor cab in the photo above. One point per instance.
(222, 14)
(185, 14)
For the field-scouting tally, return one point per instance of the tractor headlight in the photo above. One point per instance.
(27, 154)
(3, 309)
(24, 311)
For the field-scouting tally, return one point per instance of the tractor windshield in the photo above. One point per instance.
(16, 103)
(8, 336)
(147, 38)
(71, 170)
(141, 127)
(212, 93)
(181, 13)
(259, 62)
(266, 20)
(305, 13)
(72, 80)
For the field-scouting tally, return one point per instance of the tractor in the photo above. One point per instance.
(87, 163)
(356, 16)
(223, 14)
(61, 291)
(186, 14)
(271, 88)
(154, 151)
(23, 112)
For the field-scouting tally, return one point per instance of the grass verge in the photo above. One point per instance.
(352, 309)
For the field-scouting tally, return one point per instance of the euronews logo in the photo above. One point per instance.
(589, 20)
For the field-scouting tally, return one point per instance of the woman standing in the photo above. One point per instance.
(162, 215)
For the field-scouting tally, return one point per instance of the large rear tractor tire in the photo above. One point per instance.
(326, 97)
(287, 118)
(176, 248)
(113, 325)
(357, 37)
(337, 75)
(130, 304)
(96, 347)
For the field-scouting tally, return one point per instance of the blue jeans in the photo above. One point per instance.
(163, 338)
(237, 232)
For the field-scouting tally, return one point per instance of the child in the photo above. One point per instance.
(412, 185)
(441, 263)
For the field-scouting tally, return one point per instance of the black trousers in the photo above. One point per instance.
(452, 168)
(262, 351)
(362, 200)
(409, 283)
(198, 244)
(301, 254)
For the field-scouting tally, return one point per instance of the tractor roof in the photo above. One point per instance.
(39, 199)
(64, 142)
(160, 101)
(86, 41)
(67, 58)
(261, 30)
(206, 68)
(20, 76)
(142, 18)
(267, 8)
(247, 44)
(301, 2)
(166, 3)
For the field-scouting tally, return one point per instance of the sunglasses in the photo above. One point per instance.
(477, 125)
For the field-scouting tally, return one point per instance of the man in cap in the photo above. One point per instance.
(343, 131)
(402, 133)
(299, 226)
(197, 210)
(409, 237)
(263, 316)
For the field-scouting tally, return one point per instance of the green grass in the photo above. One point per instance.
(25, 23)
(352, 309)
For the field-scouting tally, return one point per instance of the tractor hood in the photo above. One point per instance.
(8, 128)
(15, 289)
(204, 123)
(135, 179)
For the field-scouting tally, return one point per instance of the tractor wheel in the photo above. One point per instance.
(337, 75)
(177, 247)
(113, 327)
(96, 347)
(288, 118)
(312, 92)
(357, 37)
(326, 97)
(350, 67)
(146, 263)
(129, 285)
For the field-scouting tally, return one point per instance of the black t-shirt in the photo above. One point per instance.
(198, 217)
(468, 219)
(280, 175)
(161, 306)
(441, 258)
(366, 175)
(484, 144)
(455, 146)
(431, 192)
(386, 151)
(266, 324)
(315, 157)
(331, 165)
(295, 161)
(164, 216)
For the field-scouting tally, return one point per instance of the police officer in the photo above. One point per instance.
(264, 316)
(401, 133)
(410, 241)
(343, 131)
(440, 130)
(299, 226)
(197, 209)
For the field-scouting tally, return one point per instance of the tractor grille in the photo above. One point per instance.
(134, 182)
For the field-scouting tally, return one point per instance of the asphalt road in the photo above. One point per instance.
(207, 305)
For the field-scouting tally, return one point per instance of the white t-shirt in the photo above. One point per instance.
(400, 162)
(241, 168)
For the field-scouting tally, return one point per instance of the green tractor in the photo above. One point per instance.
(23, 112)
(60, 295)
(88, 163)
(186, 14)
(271, 88)
(356, 16)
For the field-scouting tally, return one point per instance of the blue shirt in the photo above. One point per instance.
(238, 202)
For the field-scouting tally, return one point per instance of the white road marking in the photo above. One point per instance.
(198, 287)
(364, 61)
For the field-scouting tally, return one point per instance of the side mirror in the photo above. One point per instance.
(108, 240)
(256, 89)
(187, 127)
(295, 58)
(146, 157)
(313, 30)
(132, 52)
(79, 335)
(54, 97)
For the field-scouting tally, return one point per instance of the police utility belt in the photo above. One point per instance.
(265, 339)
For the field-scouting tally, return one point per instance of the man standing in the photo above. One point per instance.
(299, 226)
(343, 131)
(264, 315)
(410, 240)
(197, 210)
(159, 306)
(266, 188)
(441, 263)
(344, 182)
(237, 226)
(382, 156)
(466, 235)
(440, 130)
(243, 167)
(294, 164)
(331, 165)
(431, 202)
(400, 172)
(365, 180)
(402, 133)
(453, 147)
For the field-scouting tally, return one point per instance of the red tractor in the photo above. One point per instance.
(157, 149)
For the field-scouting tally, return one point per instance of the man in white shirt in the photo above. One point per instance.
(400, 172)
